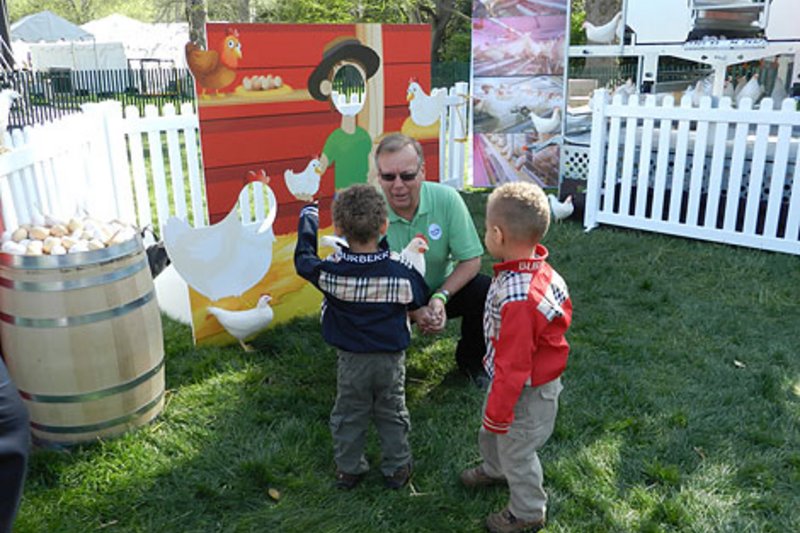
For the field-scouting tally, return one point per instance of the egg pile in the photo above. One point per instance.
(262, 83)
(54, 237)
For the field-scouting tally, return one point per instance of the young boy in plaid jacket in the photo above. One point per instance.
(528, 310)
(368, 294)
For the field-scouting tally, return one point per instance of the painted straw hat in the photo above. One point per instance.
(340, 49)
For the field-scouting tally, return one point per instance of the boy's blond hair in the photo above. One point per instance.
(359, 212)
(522, 210)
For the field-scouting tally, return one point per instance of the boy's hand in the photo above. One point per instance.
(430, 319)
(439, 314)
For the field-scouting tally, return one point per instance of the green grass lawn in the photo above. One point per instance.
(681, 412)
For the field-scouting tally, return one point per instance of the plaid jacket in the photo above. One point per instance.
(527, 312)
(367, 295)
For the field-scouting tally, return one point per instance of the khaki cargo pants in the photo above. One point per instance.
(513, 456)
(370, 386)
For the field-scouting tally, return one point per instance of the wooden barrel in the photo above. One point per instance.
(81, 336)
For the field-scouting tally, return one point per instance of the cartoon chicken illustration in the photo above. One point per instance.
(242, 324)
(215, 69)
(304, 185)
(226, 258)
(414, 252)
(425, 109)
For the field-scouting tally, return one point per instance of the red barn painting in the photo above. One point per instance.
(271, 98)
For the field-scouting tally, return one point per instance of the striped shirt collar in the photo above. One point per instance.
(382, 254)
(524, 265)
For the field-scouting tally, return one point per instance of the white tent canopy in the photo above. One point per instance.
(142, 40)
(48, 27)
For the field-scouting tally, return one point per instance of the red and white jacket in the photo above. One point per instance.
(528, 310)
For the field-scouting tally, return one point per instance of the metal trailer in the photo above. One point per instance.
(717, 33)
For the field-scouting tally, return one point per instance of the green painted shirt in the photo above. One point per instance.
(443, 217)
(349, 153)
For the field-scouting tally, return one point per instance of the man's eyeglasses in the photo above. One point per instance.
(405, 176)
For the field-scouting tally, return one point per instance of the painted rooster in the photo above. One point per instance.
(215, 69)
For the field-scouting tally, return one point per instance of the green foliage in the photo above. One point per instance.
(81, 11)
(577, 18)
(334, 11)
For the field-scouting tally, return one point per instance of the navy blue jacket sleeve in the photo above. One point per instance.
(419, 289)
(306, 261)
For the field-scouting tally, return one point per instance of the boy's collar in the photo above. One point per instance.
(367, 257)
(531, 264)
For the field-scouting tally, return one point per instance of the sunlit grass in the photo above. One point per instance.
(681, 412)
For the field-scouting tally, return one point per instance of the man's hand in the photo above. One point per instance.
(437, 317)
(428, 319)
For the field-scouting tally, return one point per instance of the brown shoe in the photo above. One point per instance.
(476, 477)
(505, 522)
(400, 478)
(345, 481)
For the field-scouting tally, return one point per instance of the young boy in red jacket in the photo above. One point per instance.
(528, 310)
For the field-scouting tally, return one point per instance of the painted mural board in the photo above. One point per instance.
(284, 120)
(518, 52)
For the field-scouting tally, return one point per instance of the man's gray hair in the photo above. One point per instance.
(394, 142)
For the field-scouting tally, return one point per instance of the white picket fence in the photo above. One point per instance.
(97, 161)
(710, 172)
(454, 130)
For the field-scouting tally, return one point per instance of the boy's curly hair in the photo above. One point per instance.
(358, 212)
(522, 209)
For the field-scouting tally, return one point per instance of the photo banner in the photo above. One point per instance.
(518, 49)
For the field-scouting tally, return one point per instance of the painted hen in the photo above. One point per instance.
(246, 323)
(304, 185)
(414, 252)
(227, 258)
(425, 109)
(215, 69)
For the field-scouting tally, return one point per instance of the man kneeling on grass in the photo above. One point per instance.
(368, 295)
(527, 312)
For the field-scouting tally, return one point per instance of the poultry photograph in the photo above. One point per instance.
(226, 258)
(243, 324)
(215, 69)
(549, 124)
(304, 185)
(515, 157)
(516, 8)
(503, 105)
(518, 46)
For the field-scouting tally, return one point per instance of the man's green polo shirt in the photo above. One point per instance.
(443, 217)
